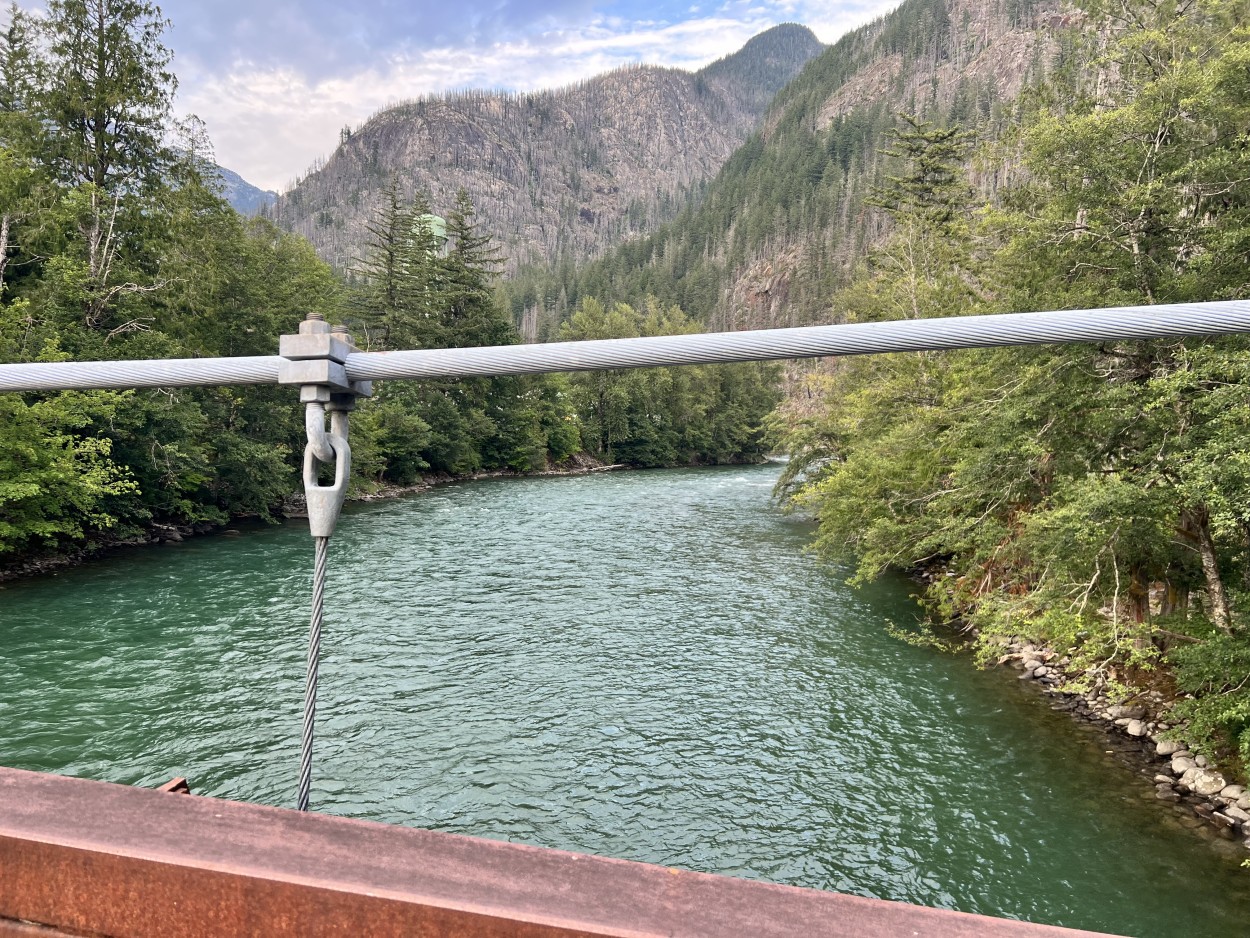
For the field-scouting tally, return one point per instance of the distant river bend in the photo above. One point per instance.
(643, 665)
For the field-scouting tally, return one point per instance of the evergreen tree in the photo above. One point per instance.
(932, 188)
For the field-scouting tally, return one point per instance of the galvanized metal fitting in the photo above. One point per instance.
(314, 360)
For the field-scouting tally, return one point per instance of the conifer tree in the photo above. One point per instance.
(932, 188)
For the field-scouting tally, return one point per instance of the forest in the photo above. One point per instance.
(115, 244)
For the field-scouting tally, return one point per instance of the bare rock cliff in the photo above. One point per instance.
(565, 173)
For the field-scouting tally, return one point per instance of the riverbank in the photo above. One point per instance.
(1145, 729)
(292, 507)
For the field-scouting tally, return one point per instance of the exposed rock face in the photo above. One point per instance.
(244, 198)
(977, 44)
(568, 172)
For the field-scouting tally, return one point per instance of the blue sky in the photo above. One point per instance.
(275, 80)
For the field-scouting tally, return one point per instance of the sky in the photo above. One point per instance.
(276, 80)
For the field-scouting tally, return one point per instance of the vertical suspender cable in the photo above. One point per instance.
(310, 680)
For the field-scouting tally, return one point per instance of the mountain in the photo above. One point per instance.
(785, 220)
(557, 173)
(245, 198)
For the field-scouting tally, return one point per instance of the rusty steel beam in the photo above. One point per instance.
(89, 858)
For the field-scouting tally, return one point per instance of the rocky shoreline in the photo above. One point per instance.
(1181, 777)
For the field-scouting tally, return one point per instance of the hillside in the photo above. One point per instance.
(783, 223)
(244, 198)
(557, 173)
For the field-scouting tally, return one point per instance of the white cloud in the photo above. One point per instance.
(271, 122)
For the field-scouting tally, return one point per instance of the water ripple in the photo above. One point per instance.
(643, 665)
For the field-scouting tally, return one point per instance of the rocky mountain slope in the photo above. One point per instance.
(244, 198)
(778, 230)
(558, 173)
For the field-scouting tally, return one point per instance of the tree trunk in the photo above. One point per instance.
(4, 249)
(1200, 522)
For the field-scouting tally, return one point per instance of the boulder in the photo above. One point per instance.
(1181, 765)
(1206, 782)
(1169, 747)
(1232, 792)
(1223, 821)
(1237, 814)
(1136, 728)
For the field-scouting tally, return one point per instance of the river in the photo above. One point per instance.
(643, 665)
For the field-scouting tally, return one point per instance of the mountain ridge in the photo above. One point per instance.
(785, 220)
(244, 198)
(566, 172)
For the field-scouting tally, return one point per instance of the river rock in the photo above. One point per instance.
(1232, 792)
(1032, 664)
(1201, 760)
(1169, 747)
(1237, 814)
(1244, 802)
(1123, 721)
(1206, 782)
(1223, 821)
(1181, 765)
(1163, 780)
(1136, 728)
(1041, 671)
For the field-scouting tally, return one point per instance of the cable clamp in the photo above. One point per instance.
(315, 361)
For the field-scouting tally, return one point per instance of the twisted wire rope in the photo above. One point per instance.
(321, 547)
(1089, 325)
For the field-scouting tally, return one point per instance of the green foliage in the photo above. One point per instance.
(416, 293)
(112, 246)
(54, 480)
(1216, 675)
(667, 416)
(1092, 496)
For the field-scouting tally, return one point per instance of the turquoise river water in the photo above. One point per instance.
(644, 665)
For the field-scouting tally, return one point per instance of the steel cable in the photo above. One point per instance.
(1120, 323)
(159, 373)
(1130, 322)
(310, 679)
